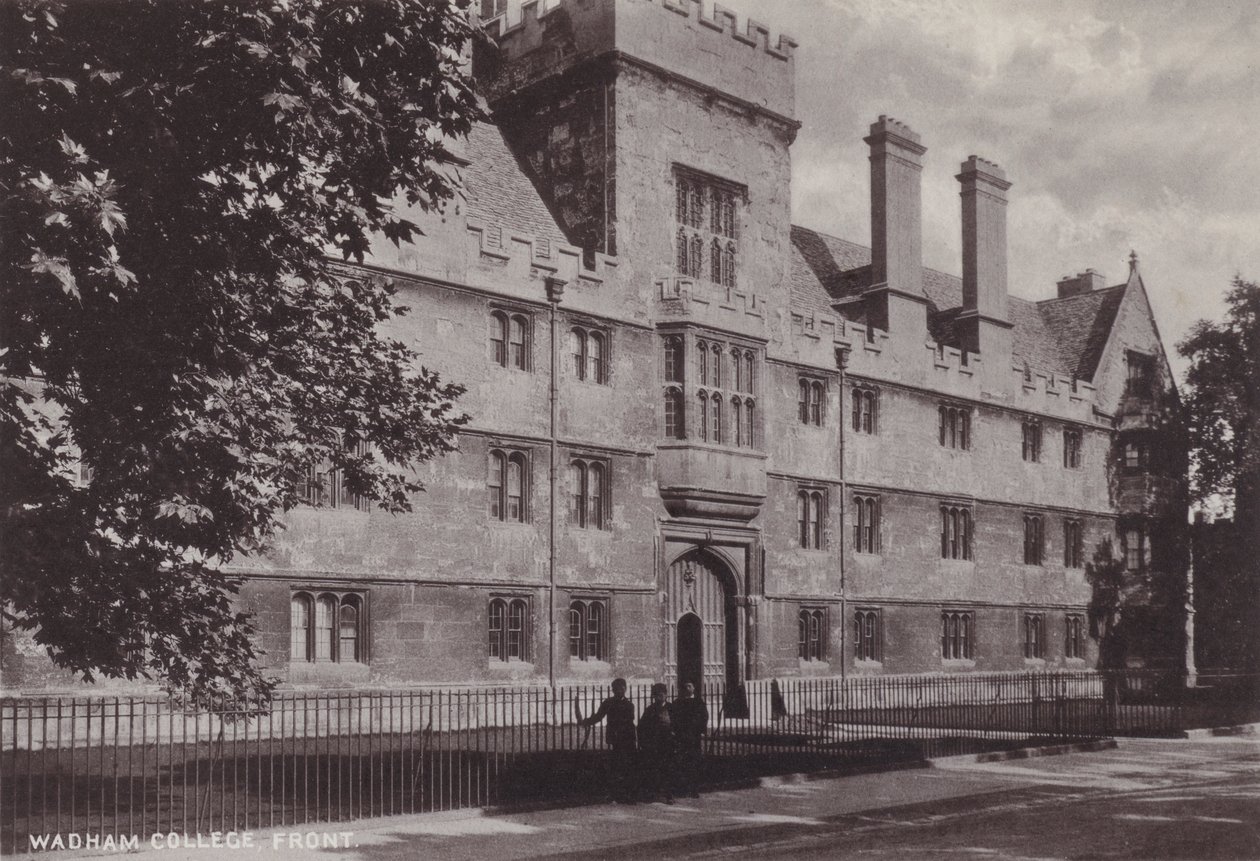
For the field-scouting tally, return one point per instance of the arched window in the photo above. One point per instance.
(325, 632)
(866, 526)
(816, 403)
(673, 413)
(728, 265)
(716, 349)
(716, 407)
(802, 401)
(715, 261)
(683, 245)
(587, 629)
(518, 343)
(509, 629)
(590, 490)
(673, 360)
(749, 379)
(957, 635)
(866, 636)
(348, 630)
(595, 357)
(577, 348)
(515, 509)
(498, 338)
(750, 439)
(737, 367)
(301, 632)
(864, 405)
(696, 262)
(702, 423)
(809, 516)
(955, 532)
(811, 625)
(507, 486)
(328, 628)
(737, 421)
(702, 363)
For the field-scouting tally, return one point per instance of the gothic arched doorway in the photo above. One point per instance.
(702, 630)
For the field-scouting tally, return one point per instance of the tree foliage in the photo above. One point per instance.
(1223, 403)
(174, 177)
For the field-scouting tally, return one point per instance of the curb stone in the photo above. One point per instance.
(1026, 752)
(1216, 731)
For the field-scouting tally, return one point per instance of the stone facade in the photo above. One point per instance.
(627, 127)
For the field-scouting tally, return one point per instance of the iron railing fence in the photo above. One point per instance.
(142, 766)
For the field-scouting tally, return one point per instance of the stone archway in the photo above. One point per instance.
(701, 621)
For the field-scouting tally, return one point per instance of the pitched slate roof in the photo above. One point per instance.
(1064, 336)
(497, 188)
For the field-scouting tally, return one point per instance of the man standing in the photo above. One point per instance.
(691, 722)
(620, 737)
(656, 742)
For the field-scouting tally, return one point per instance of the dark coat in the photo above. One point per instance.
(620, 714)
(691, 720)
(656, 729)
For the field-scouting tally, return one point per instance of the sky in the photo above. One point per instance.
(1123, 124)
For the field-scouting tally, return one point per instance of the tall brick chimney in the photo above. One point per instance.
(895, 300)
(984, 324)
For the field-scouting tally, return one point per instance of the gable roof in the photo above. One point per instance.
(1063, 336)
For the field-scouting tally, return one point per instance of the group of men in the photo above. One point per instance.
(663, 751)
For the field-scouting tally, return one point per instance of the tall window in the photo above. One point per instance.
(588, 629)
(958, 635)
(1073, 544)
(742, 368)
(866, 635)
(749, 437)
(1134, 550)
(588, 481)
(1034, 635)
(674, 359)
(1074, 636)
(811, 397)
(327, 627)
(509, 339)
(812, 623)
(707, 217)
(1034, 539)
(589, 348)
(955, 426)
(865, 410)
(324, 487)
(715, 411)
(955, 532)
(1071, 448)
(507, 487)
(810, 508)
(702, 415)
(1032, 441)
(866, 524)
(674, 413)
(1141, 374)
(509, 629)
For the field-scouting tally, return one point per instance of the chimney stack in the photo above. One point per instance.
(984, 322)
(895, 300)
(1082, 282)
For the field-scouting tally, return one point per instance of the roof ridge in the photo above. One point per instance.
(1099, 292)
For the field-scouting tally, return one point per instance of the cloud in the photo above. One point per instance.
(1123, 124)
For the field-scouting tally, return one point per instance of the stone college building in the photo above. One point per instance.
(706, 443)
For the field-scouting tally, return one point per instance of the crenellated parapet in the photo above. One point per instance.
(513, 249)
(702, 42)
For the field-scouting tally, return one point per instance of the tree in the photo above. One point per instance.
(174, 177)
(1223, 404)
(1223, 418)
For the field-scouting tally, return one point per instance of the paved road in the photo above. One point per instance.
(1144, 800)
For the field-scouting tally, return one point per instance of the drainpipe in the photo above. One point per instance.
(555, 290)
(842, 363)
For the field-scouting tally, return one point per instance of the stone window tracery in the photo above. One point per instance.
(327, 627)
(706, 210)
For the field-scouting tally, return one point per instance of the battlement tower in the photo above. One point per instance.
(655, 130)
